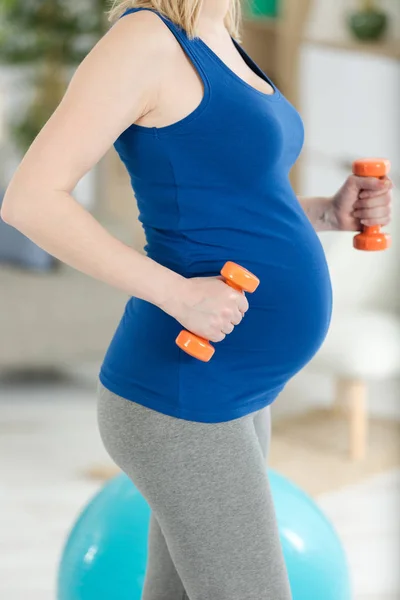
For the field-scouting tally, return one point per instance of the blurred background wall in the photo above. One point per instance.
(338, 61)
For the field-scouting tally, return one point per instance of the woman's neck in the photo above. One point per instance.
(213, 12)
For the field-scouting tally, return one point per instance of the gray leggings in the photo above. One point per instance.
(213, 533)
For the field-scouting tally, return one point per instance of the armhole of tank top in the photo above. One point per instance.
(184, 43)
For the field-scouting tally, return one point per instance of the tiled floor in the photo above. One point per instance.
(48, 437)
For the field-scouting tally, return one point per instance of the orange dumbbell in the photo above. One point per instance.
(371, 237)
(236, 277)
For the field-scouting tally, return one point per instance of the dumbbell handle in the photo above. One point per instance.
(239, 279)
(371, 238)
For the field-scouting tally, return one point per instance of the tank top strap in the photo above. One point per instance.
(189, 46)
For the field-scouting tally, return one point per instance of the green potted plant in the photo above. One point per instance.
(368, 23)
(49, 37)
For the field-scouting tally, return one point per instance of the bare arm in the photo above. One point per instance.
(360, 201)
(114, 86)
(320, 213)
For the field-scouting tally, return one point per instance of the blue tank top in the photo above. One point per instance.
(210, 188)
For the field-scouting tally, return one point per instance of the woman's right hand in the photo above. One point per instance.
(209, 307)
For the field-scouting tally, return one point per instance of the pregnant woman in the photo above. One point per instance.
(208, 141)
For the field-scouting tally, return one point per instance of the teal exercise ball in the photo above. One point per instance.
(314, 556)
(105, 554)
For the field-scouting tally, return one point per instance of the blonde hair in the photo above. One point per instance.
(184, 13)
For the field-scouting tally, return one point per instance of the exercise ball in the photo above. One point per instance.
(314, 556)
(105, 553)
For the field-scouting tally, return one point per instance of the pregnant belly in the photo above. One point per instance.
(287, 321)
(285, 325)
(289, 313)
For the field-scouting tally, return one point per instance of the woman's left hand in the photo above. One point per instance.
(362, 201)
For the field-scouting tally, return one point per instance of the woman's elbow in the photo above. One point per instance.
(14, 210)
(8, 211)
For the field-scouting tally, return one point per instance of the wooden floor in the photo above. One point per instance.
(319, 438)
(48, 439)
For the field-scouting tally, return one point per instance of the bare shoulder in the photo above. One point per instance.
(143, 32)
(117, 83)
(131, 58)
